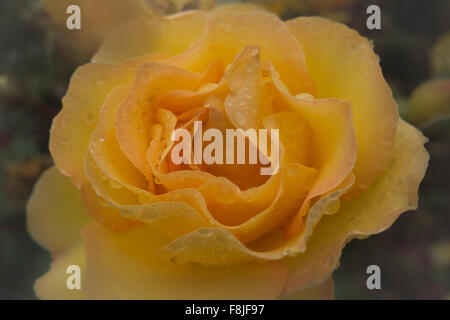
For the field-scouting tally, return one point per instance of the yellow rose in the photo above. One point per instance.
(151, 229)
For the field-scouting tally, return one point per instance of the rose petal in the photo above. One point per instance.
(173, 214)
(144, 36)
(248, 102)
(392, 193)
(344, 66)
(295, 136)
(219, 246)
(52, 285)
(296, 180)
(55, 225)
(138, 110)
(333, 146)
(103, 213)
(221, 41)
(139, 271)
(72, 127)
(232, 206)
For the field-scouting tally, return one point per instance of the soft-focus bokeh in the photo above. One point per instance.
(37, 60)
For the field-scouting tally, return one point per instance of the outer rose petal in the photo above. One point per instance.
(127, 265)
(393, 192)
(144, 36)
(72, 127)
(55, 225)
(52, 285)
(103, 214)
(344, 66)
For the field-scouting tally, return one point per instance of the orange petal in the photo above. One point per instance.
(173, 214)
(138, 110)
(72, 127)
(231, 206)
(105, 148)
(296, 180)
(277, 44)
(218, 245)
(248, 102)
(295, 136)
(103, 213)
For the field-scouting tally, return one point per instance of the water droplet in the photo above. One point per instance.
(305, 96)
(240, 118)
(150, 215)
(102, 201)
(115, 184)
(205, 232)
(176, 246)
(207, 87)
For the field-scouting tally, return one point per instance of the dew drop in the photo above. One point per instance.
(240, 118)
(102, 201)
(305, 96)
(115, 184)
(205, 232)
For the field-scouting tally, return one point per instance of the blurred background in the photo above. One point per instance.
(38, 56)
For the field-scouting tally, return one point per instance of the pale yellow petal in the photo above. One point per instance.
(130, 267)
(393, 192)
(344, 66)
(73, 126)
(55, 212)
(53, 284)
